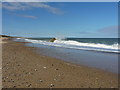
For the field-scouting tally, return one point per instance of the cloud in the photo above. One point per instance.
(12, 6)
(85, 32)
(60, 0)
(109, 30)
(25, 16)
(21, 1)
(0, 4)
(28, 16)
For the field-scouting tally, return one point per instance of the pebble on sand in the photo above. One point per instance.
(35, 69)
(7, 77)
(55, 79)
(14, 86)
(41, 80)
(51, 85)
(29, 73)
(57, 69)
(44, 67)
(59, 75)
(28, 85)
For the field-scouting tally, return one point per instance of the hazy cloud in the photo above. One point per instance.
(106, 30)
(30, 5)
(109, 30)
(85, 32)
(0, 4)
(21, 0)
(60, 0)
(25, 16)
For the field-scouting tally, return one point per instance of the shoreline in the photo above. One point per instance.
(23, 67)
(80, 57)
(70, 63)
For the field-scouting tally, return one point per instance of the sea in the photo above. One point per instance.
(101, 53)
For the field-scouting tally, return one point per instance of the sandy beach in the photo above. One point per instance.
(23, 67)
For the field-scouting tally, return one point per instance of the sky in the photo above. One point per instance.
(67, 19)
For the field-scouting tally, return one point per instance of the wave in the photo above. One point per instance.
(78, 45)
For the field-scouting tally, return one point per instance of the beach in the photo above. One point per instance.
(23, 67)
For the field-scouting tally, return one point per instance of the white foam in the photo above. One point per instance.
(79, 45)
(18, 38)
(70, 42)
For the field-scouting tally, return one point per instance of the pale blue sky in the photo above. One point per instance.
(69, 19)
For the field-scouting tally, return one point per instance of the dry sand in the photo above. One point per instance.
(22, 67)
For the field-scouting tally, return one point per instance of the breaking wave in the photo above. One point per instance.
(78, 45)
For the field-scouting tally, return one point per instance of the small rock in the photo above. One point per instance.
(41, 81)
(7, 77)
(44, 67)
(14, 86)
(35, 69)
(26, 82)
(59, 75)
(3, 80)
(8, 80)
(96, 78)
(55, 79)
(56, 69)
(51, 85)
(12, 80)
(28, 85)
(18, 65)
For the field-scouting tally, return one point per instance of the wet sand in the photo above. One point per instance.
(23, 67)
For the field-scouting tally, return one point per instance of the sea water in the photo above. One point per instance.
(100, 53)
